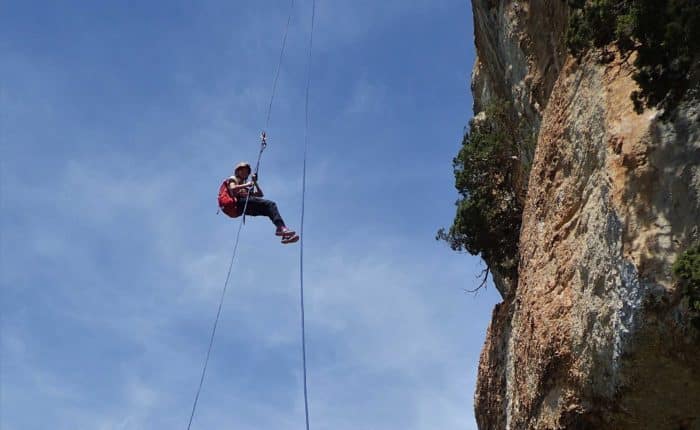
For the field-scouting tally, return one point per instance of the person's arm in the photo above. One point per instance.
(240, 190)
(258, 192)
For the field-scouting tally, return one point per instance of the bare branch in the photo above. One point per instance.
(484, 277)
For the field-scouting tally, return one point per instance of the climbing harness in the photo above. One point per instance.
(263, 145)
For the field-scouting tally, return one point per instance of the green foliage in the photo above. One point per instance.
(489, 214)
(687, 270)
(528, 144)
(592, 23)
(665, 34)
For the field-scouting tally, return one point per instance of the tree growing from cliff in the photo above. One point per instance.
(488, 216)
(664, 33)
(687, 270)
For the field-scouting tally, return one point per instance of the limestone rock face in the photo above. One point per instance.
(595, 334)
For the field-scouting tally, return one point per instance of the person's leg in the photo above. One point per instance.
(258, 206)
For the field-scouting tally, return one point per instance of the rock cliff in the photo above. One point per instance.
(595, 331)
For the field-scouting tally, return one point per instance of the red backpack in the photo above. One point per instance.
(227, 203)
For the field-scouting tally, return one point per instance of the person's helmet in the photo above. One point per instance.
(242, 165)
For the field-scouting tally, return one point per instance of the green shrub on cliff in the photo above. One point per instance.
(591, 24)
(489, 214)
(687, 270)
(665, 34)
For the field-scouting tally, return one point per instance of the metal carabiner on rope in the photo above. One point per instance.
(263, 145)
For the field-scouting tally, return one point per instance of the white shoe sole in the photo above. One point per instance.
(291, 239)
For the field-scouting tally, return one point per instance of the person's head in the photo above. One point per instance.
(242, 170)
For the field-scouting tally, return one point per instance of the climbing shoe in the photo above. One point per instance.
(290, 239)
(284, 232)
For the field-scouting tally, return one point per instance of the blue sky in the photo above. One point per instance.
(118, 121)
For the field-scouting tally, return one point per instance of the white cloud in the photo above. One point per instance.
(343, 22)
(366, 98)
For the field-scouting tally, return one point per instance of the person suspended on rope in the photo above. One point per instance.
(236, 189)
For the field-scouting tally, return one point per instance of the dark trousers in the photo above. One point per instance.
(258, 206)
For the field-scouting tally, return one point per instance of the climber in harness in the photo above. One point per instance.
(237, 189)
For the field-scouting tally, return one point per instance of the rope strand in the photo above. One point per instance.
(279, 64)
(221, 303)
(242, 222)
(303, 211)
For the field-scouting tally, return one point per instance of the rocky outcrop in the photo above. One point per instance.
(515, 67)
(595, 333)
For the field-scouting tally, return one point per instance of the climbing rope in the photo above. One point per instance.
(279, 64)
(303, 207)
(263, 145)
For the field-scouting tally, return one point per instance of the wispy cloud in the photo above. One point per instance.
(366, 98)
